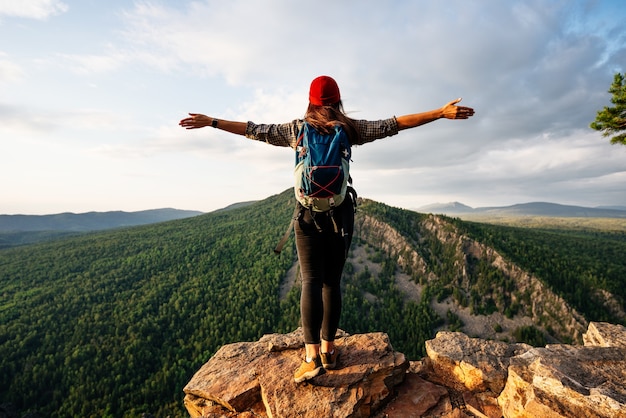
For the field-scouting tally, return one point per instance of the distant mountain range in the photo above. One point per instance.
(527, 209)
(95, 221)
(91, 221)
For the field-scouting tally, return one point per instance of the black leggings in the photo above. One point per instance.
(322, 255)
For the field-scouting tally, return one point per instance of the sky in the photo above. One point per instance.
(91, 93)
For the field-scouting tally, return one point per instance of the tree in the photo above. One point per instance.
(612, 120)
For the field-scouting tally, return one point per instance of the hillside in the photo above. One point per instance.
(115, 323)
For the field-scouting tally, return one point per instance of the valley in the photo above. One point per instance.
(115, 322)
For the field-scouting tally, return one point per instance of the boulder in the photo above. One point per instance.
(566, 381)
(471, 363)
(241, 377)
(602, 334)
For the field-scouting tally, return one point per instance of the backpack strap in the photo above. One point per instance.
(347, 229)
(296, 214)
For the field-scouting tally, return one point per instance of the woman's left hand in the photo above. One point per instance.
(195, 121)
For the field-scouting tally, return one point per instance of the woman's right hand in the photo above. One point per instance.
(452, 111)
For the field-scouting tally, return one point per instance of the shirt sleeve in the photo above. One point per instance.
(286, 134)
(372, 130)
(281, 135)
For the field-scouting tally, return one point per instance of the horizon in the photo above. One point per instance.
(92, 93)
(417, 208)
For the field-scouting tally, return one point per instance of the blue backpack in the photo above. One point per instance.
(322, 168)
(322, 174)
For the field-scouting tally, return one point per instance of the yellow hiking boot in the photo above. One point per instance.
(329, 360)
(309, 370)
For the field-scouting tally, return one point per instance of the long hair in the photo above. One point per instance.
(325, 118)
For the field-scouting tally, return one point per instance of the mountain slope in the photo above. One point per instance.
(114, 323)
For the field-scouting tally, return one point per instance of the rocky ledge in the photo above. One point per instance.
(460, 377)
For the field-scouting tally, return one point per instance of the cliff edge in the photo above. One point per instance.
(460, 377)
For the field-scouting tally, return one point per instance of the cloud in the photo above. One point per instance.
(16, 120)
(536, 72)
(92, 63)
(524, 58)
(51, 125)
(9, 70)
(32, 9)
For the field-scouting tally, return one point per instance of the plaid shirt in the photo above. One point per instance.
(286, 134)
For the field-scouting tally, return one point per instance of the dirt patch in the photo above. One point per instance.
(359, 257)
(289, 280)
(495, 326)
(410, 289)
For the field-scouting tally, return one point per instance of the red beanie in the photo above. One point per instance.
(324, 91)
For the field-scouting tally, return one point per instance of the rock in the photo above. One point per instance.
(461, 377)
(415, 397)
(601, 334)
(242, 375)
(230, 377)
(471, 363)
(566, 381)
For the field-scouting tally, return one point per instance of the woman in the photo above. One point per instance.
(320, 241)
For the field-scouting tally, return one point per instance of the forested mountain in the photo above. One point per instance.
(115, 323)
(28, 229)
(90, 221)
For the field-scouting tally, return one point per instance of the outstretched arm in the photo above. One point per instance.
(197, 120)
(448, 111)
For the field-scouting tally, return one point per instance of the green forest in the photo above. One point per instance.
(115, 323)
(572, 262)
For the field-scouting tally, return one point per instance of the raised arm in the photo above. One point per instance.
(448, 111)
(197, 120)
